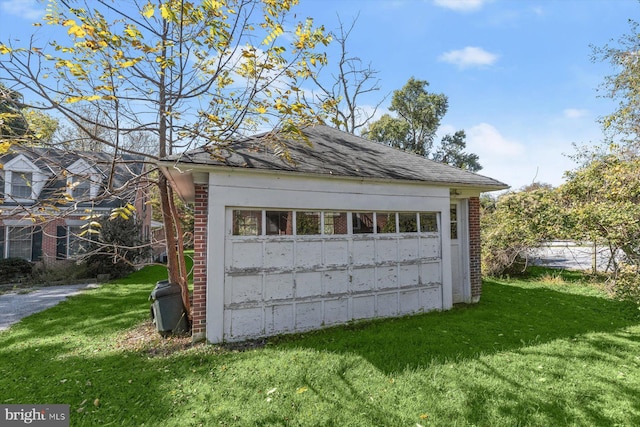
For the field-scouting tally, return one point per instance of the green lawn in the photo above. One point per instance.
(531, 353)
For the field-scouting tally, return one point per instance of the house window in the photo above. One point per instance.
(21, 185)
(19, 242)
(81, 188)
(307, 223)
(247, 223)
(335, 223)
(279, 222)
(428, 222)
(362, 222)
(407, 223)
(386, 222)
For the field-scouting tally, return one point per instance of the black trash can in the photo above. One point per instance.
(167, 309)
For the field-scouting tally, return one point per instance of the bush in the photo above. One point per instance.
(14, 268)
(625, 284)
(118, 249)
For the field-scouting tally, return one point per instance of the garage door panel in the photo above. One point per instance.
(308, 284)
(336, 252)
(278, 254)
(245, 255)
(363, 279)
(387, 277)
(430, 247)
(335, 282)
(278, 286)
(243, 288)
(386, 250)
(364, 252)
(408, 249)
(279, 318)
(308, 254)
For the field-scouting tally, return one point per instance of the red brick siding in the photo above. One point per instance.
(199, 308)
(475, 273)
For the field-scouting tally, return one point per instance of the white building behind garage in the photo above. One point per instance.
(345, 229)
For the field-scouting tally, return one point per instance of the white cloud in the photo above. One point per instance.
(470, 56)
(461, 5)
(486, 141)
(28, 9)
(575, 113)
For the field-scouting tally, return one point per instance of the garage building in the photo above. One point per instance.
(293, 235)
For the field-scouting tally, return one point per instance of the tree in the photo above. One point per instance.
(350, 79)
(604, 201)
(414, 130)
(451, 152)
(12, 123)
(624, 86)
(181, 72)
(420, 110)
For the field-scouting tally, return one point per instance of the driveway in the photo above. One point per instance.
(16, 305)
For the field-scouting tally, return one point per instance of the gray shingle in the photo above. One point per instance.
(332, 152)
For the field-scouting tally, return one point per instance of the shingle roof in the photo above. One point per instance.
(54, 162)
(337, 153)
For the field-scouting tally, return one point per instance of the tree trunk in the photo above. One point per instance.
(176, 266)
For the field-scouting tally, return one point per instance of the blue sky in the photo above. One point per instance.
(518, 73)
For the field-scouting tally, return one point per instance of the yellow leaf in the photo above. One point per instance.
(164, 10)
(302, 390)
(148, 10)
(4, 49)
(94, 97)
(76, 31)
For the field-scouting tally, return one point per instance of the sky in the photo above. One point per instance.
(518, 74)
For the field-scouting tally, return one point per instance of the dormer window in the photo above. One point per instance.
(23, 181)
(21, 185)
(80, 188)
(82, 181)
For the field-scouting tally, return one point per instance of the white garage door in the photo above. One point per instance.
(291, 271)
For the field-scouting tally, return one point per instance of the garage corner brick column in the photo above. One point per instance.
(199, 307)
(475, 252)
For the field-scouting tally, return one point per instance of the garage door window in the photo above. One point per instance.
(247, 223)
(307, 223)
(279, 223)
(335, 223)
(362, 222)
(428, 222)
(385, 222)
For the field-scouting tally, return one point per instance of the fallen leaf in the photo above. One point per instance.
(273, 390)
(96, 402)
(302, 390)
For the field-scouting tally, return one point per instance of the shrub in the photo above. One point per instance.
(625, 284)
(118, 249)
(14, 268)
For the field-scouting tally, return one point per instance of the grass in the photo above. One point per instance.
(532, 353)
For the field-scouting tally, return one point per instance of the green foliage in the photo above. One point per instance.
(451, 152)
(518, 222)
(625, 284)
(603, 200)
(118, 248)
(12, 122)
(623, 87)
(419, 115)
(12, 268)
(414, 129)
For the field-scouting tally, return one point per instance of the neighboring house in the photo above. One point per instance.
(46, 195)
(348, 229)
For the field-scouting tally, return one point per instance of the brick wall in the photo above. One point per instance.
(475, 272)
(199, 307)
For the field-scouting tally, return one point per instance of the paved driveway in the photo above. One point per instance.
(14, 306)
(571, 256)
